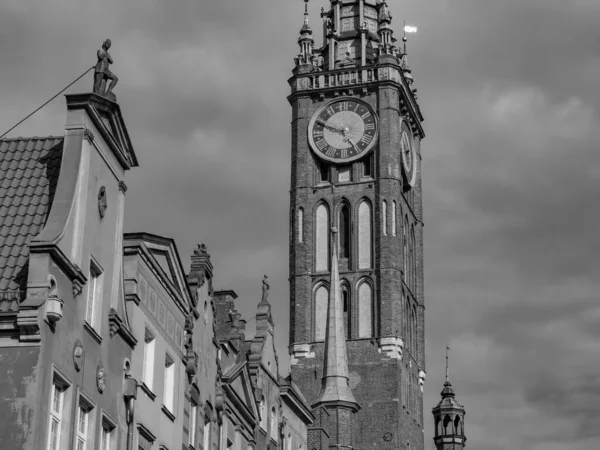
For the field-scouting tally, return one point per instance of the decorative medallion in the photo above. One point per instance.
(78, 354)
(409, 156)
(102, 204)
(387, 437)
(100, 378)
(343, 130)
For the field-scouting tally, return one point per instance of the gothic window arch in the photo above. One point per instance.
(273, 429)
(405, 248)
(347, 308)
(447, 421)
(457, 426)
(344, 221)
(321, 300)
(384, 218)
(322, 237)
(263, 413)
(365, 309)
(413, 329)
(393, 217)
(300, 225)
(365, 219)
(413, 262)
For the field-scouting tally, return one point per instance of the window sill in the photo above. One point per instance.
(168, 413)
(90, 329)
(148, 391)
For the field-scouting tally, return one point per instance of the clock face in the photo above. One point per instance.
(343, 130)
(409, 164)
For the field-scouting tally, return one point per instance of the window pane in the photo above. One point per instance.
(322, 239)
(54, 434)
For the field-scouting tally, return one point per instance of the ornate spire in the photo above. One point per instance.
(449, 417)
(335, 388)
(305, 41)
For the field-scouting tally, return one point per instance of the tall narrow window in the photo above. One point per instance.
(144, 442)
(344, 232)
(365, 310)
(192, 424)
(300, 225)
(273, 430)
(414, 326)
(384, 218)
(83, 414)
(148, 370)
(94, 297)
(394, 231)
(405, 249)
(321, 300)
(322, 239)
(346, 309)
(169, 387)
(57, 399)
(206, 439)
(414, 260)
(364, 235)
(263, 413)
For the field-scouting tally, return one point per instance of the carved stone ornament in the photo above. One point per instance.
(387, 437)
(78, 354)
(100, 378)
(102, 203)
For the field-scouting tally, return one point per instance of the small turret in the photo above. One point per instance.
(449, 418)
(305, 41)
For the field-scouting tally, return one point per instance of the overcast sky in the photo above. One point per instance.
(509, 90)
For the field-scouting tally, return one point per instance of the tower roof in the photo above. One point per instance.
(335, 388)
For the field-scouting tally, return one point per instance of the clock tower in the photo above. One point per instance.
(356, 167)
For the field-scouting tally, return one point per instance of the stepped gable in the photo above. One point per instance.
(29, 169)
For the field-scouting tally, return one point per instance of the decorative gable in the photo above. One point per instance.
(106, 117)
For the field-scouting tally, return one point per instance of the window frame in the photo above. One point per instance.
(169, 383)
(107, 424)
(63, 383)
(149, 358)
(84, 404)
(94, 294)
(193, 424)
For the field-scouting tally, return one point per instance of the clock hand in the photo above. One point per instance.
(330, 127)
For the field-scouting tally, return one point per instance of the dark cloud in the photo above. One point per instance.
(509, 92)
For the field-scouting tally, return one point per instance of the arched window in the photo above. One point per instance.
(364, 235)
(414, 322)
(457, 426)
(413, 262)
(405, 249)
(321, 301)
(273, 424)
(365, 310)
(393, 216)
(322, 239)
(300, 225)
(344, 230)
(346, 307)
(384, 218)
(263, 414)
(447, 421)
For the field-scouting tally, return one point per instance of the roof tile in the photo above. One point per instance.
(29, 169)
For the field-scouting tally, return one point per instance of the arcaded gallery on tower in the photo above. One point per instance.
(107, 342)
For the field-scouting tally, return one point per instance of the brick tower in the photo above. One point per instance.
(356, 166)
(449, 419)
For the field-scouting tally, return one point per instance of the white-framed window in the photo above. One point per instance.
(206, 439)
(384, 217)
(57, 400)
(94, 297)
(107, 433)
(193, 424)
(148, 370)
(83, 419)
(169, 384)
(274, 424)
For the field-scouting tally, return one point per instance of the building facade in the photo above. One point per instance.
(356, 166)
(105, 341)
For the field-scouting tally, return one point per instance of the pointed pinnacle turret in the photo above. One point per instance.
(335, 388)
(305, 41)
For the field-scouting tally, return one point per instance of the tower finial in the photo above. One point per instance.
(447, 372)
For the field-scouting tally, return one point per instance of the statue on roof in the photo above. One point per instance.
(265, 289)
(102, 73)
